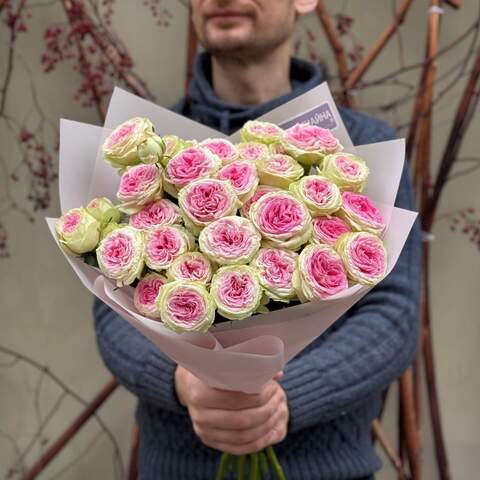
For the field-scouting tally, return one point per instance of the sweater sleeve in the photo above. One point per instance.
(371, 345)
(134, 361)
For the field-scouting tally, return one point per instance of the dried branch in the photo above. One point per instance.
(388, 449)
(378, 45)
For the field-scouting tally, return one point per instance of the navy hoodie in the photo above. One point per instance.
(333, 387)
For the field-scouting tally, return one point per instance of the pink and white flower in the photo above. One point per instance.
(224, 149)
(361, 213)
(327, 229)
(133, 142)
(103, 210)
(348, 171)
(259, 192)
(236, 291)
(282, 220)
(160, 212)
(279, 170)
(276, 267)
(364, 257)
(320, 195)
(77, 231)
(205, 201)
(230, 240)
(262, 132)
(243, 177)
(120, 255)
(139, 185)
(163, 244)
(320, 273)
(252, 151)
(187, 166)
(191, 266)
(308, 144)
(146, 293)
(185, 307)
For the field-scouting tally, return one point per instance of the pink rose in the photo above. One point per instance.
(348, 171)
(282, 219)
(189, 165)
(222, 148)
(361, 213)
(320, 273)
(328, 229)
(310, 137)
(276, 267)
(230, 240)
(146, 293)
(163, 244)
(186, 307)
(236, 291)
(259, 192)
(207, 200)
(161, 212)
(192, 266)
(139, 185)
(252, 151)
(364, 257)
(242, 176)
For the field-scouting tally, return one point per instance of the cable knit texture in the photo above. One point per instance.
(333, 386)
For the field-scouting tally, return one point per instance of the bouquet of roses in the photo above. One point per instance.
(241, 252)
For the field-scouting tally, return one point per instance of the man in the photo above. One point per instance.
(320, 412)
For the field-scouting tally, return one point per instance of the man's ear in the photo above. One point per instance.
(305, 6)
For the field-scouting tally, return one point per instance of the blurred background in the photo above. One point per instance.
(408, 62)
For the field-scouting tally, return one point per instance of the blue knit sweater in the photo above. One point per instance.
(333, 387)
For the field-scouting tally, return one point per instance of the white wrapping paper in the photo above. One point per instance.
(237, 355)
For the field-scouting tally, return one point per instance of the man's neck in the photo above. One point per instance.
(252, 82)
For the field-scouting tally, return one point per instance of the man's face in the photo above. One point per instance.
(243, 27)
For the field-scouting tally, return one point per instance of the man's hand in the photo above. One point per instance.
(234, 422)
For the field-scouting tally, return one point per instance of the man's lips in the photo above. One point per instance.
(226, 15)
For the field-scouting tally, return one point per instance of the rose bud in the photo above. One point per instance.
(308, 144)
(348, 171)
(364, 257)
(222, 148)
(185, 307)
(282, 220)
(191, 266)
(279, 170)
(160, 212)
(320, 273)
(103, 210)
(275, 268)
(236, 291)
(230, 241)
(361, 213)
(120, 255)
(139, 185)
(163, 244)
(77, 231)
(262, 132)
(146, 293)
(173, 145)
(187, 166)
(242, 175)
(259, 192)
(320, 196)
(205, 201)
(327, 229)
(252, 151)
(133, 142)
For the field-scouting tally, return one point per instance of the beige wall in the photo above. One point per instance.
(46, 313)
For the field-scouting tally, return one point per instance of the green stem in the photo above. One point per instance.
(275, 463)
(222, 467)
(241, 467)
(254, 473)
(263, 462)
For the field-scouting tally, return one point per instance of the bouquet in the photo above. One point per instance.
(230, 254)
